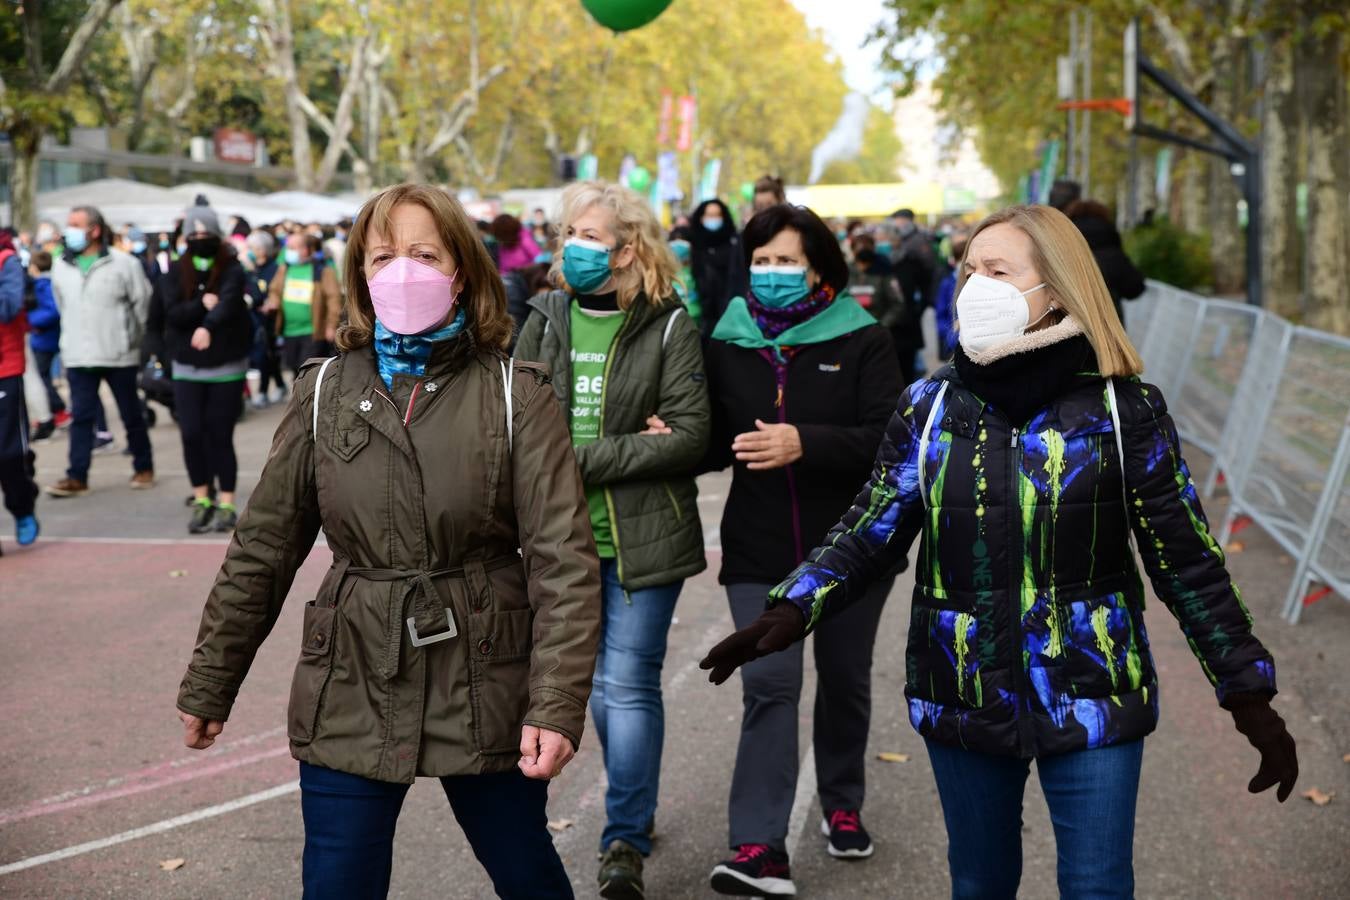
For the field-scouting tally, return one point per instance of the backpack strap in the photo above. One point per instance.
(670, 325)
(1120, 452)
(508, 379)
(318, 387)
(924, 441)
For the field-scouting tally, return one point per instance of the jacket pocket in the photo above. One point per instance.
(942, 658)
(1105, 647)
(348, 441)
(499, 677)
(312, 672)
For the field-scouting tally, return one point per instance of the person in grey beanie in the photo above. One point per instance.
(201, 312)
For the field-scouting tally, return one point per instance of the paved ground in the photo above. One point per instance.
(96, 623)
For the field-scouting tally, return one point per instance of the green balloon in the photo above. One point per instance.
(747, 191)
(640, 179)
(624, 15)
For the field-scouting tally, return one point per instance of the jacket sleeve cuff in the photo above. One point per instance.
(1258, 679)
(559, 711)
(205, 697)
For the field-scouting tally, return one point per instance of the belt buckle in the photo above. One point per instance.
(419, 641)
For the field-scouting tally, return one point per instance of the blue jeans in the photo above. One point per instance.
(1091, 795)
(85, 409)
(630, 719)
(349, 833)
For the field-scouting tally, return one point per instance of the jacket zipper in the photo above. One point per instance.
(609, 496)
(1015, 565)
(780, 376)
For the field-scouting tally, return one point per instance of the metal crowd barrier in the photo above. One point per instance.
(1268, 402)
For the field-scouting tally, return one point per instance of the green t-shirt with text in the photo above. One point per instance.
(592, 338)
(297, 302)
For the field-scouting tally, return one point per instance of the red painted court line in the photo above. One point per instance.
(138, 785)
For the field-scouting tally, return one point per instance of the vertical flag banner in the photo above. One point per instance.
(626, 167)
(668, 176)
(588, 167)
(712, 174)
(688, 110)
(1049, 166)
(667, 111)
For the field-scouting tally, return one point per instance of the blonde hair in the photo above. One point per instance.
(482, 294)
(1072, 279)
(654, 267)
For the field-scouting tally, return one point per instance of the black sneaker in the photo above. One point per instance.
(757, 871)
(621, 873)
(203, 511)
(227, 517)
(103, 442)
(848, 838)
(43, 431)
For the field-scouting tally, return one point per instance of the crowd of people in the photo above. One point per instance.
(506, 559)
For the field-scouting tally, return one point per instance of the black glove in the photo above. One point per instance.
(1265, 729)
(777, 629)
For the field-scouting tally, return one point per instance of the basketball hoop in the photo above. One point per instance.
(1120, 105)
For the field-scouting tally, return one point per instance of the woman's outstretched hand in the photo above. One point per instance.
(777, 629)
(198, 734)
(1264, 728)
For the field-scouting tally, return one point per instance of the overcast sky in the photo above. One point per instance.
(846, 24)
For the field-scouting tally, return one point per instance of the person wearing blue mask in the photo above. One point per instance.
(627, 367)
(684, 281)
(803, 381)
(716, 259)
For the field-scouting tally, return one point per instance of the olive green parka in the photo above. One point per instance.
(430, 507)
(655, 367)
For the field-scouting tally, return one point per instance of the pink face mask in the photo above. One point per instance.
(411, 297)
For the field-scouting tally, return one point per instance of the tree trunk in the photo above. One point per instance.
(1226, 239)
(1280, 265)
(1323, 99)
(23, 177)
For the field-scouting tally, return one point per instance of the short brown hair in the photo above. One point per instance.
(41, 260)
(482, 295)
(770, 184)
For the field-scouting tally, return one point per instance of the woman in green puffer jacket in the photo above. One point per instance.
(627, 367)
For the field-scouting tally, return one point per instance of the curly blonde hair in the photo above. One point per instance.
(633, 223)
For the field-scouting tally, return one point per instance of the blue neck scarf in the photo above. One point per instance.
(407, 354)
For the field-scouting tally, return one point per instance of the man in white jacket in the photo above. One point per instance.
(104, 299)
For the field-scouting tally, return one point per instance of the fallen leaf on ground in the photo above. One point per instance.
(1316, 720)
(1317, 797)
(560, 825)
(1346, 758)
(178, 573)
(893, 757)
(168, 865)
(1235, 547)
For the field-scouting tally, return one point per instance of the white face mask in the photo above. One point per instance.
(991, 312)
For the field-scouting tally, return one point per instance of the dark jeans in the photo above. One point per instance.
(765, 779)
(16, 457)
(44, 366)
(263, 354)
(626, 705)
(1091, 795)
(350, 821)
(206, 413)
(294, 352)
(85, 404)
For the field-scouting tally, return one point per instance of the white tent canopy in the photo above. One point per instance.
(153, 209)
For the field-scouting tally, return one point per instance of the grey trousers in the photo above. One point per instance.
(767, 760)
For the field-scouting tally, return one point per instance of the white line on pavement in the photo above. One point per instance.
(156, 828)
(801, 801)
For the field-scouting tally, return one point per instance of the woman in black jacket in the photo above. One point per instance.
(1024, 469)
(207, 334)
(716, 259)
(802, 381)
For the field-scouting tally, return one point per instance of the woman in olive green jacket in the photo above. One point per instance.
(455, 633)
(628, 370)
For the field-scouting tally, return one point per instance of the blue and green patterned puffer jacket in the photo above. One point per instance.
(1026, 636)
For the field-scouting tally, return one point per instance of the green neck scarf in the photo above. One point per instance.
(843, 316)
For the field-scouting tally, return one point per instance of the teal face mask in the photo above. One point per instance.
(586, 265)
(779, 286)
(681, 250)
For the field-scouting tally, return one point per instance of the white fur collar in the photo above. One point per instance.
(1032, 340)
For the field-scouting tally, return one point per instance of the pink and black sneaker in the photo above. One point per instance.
(848, 838)
(757, 871)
